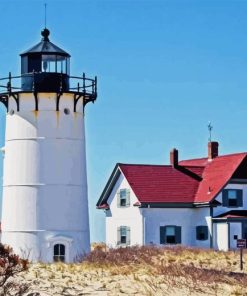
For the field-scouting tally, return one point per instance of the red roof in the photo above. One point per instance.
(195, 162)
(216, 174)
(160, 183)
(193, 181)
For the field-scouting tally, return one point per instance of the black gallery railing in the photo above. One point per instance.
(66, 83)
(48, 82)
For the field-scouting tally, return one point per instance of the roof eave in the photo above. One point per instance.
(41, 45)
(103, 207)
(109, 185)
(167, 205)
(45, 52)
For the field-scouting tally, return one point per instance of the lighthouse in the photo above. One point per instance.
(45, 202)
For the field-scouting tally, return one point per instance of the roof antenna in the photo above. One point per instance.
(210, 127)
(45, 14)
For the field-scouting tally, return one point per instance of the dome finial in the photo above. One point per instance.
(45, 33)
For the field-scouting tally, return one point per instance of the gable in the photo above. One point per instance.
(216, 175)
(114, 201)
(241, 171)
(102, 202)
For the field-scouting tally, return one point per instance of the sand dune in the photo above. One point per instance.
(168, 272)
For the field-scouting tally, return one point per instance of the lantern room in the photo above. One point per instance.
(45, 67)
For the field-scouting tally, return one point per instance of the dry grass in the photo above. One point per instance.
(144, 271)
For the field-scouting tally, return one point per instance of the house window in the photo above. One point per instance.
(232, 198)
(201, 232)
(59, 253)
(124, 198)
(123, 235)
(170, 234)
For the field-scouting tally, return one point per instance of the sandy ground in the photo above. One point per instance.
(61, 279)
(141, 271)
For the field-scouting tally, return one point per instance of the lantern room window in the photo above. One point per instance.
(55, 64)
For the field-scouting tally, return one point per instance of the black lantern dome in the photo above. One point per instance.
(46, 66)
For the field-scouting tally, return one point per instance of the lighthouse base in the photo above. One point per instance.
(48, 246)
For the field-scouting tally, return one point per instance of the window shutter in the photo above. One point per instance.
(128, 236)
(240, 197)
(205, 230)
(118, 199)
(178, 234)
(225, 198)
(118, 235)
(162, 234)
(127, 197)
(198, 230)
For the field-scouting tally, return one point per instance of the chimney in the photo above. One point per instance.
(212, 150)
(174, 157)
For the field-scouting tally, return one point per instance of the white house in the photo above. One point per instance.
(198, 202)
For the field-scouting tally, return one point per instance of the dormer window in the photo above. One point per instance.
(232, 198)
(123, 198)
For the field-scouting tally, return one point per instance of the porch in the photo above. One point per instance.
(227, 228)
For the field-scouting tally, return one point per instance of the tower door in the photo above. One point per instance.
(59, 253)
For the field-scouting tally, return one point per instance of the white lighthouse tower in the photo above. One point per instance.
(45, 203)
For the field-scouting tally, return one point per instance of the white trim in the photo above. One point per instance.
(41, 184)
(143, 229)
(44, 138)
(44, 230)
(60, 239)
(103, 198)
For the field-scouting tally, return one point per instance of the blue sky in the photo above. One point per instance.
(165, 69)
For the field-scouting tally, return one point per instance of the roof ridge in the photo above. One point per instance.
(199, 158)
(219, 156)
(163, 165)
(183, 160)
(142, 164)
(192, 166)
(232, 154)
